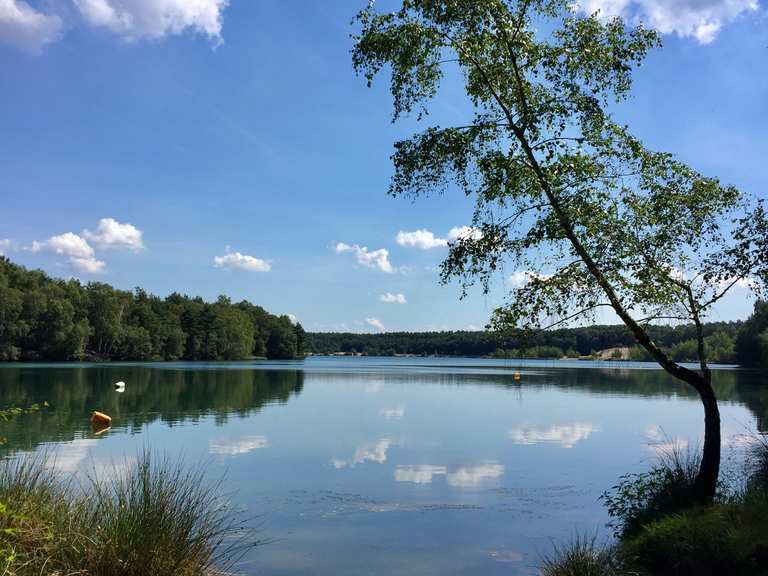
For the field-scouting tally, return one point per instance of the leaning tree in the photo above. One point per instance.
(564, 195)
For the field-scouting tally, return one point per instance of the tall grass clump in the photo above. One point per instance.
(584, 556)
(667, 488)
(34, 517)
(757, 464)
(154, 519)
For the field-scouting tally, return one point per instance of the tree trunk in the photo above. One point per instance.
(709, 469)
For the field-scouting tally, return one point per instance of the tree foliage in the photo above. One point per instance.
(47, 319)
(752, 341)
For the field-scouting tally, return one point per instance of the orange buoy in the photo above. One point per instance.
(100, 420)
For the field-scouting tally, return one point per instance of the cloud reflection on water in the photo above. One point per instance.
(368, 452)
(396, 413)
(462, 477)
(567, 435)
(234, 447)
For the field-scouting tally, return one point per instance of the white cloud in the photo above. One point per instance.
(77, 248)
(154, 19)
(375, 259)
(292, 317)
(520, 278)
(423, 239)
(421, 474)
(699, 19)
(426, 240)
(26, 28)
(390, 298)
(464, 233)
(473, 476)
(566, 435)
(5, 245)
(238, 261)
(238, 446)
(67, 244)
(88, 265)
(392, 413)
(375, 323)
(80, 254)
(112, 234)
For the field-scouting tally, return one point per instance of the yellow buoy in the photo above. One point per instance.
(516, 376)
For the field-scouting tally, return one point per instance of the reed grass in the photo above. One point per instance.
(157, 518)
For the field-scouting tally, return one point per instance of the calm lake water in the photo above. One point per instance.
(386, 466)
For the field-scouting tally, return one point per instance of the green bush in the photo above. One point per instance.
(724, 539)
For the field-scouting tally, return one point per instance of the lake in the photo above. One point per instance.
(415, 466)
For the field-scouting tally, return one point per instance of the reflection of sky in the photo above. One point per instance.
(67, 457)
(420, 474)
(233, 447)
(369, 452)
(462, 477)
(567, 435)
(474, 476)
(396, 413)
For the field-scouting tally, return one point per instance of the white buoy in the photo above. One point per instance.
(120, 386)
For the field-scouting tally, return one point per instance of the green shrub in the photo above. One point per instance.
(582, 557)
(723, 539)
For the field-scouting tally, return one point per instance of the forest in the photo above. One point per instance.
(42, 318)
(745, 343)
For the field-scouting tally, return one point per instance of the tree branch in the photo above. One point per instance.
(575, 315)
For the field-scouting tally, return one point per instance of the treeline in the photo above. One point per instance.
(574, 342)
(727, 342)
(42, 318)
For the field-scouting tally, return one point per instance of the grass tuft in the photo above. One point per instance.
(757, 458)
(667, 488)
(584, 556)
(155, 519)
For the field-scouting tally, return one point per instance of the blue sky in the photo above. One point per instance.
(212, 147)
